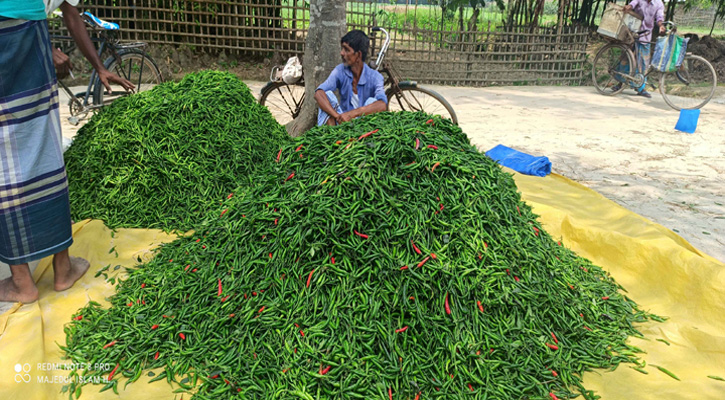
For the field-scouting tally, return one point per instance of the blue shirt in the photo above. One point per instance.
(33, 10)
(370, 85)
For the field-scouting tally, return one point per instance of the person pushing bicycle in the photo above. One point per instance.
(78, 31)
(652, 12)
(360, 87)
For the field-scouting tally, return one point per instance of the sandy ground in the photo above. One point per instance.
(624, 147)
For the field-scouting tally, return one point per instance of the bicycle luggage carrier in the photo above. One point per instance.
(617, 24)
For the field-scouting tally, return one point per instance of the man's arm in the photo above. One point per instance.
(324, 103)
(77, 30)
(379, 106)
(660, 18)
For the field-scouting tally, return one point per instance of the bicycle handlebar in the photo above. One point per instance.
(381, 54)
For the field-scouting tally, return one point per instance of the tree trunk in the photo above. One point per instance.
(322, 54)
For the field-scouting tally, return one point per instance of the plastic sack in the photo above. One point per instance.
(520, 162)
(292, 71)
(669, 52)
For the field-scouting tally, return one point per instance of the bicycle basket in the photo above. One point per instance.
(669, 52)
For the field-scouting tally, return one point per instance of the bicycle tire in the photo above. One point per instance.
(411, 97)
(283, 101)
(691, 86)
(607, 60)
(143, 78)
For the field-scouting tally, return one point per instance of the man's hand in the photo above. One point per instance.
(627, 8)
(107, 77)
(62, 64)
(344, 117)
(662, 29)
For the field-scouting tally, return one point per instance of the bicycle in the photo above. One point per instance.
(285, 100)
(127, 60)
(691, 86)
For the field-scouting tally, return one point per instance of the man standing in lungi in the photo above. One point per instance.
(34, 206)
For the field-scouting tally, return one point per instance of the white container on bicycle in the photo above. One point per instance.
(618, 24)
(292, 71)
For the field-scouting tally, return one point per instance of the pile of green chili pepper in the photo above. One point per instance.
(159, 159)
(385, 258)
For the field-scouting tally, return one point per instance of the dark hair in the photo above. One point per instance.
(358, 41)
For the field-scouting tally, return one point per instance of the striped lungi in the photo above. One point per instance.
(34, 204)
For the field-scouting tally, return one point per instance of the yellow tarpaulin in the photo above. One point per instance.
(660, 270)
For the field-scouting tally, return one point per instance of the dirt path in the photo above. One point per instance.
(624, 147)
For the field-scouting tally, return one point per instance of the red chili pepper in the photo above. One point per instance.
(552, 346)
(156, 356)
(517, 209)
(182, 336)
(113, 372)
(401, 330)
(480, 307)
(417, 250)
(417, 396)
(553, 396)
(129, 304)
(554, 373)
(433, 256)
(214, 377)
(290, 177)
(470, 387)
(390, 393)
(587, 328)
(363, 136)
(109, 344)
(261, 309)
(434, 166)
(232, 194)
(165, 316)
(420, 264)
(203, 246)
(326, 370)
(270, 255)
(301, 333)
(448, 307)
(508, 272)
(536, 230)
(219, 292)
(362, 235)
(404, 267)
(411, 298)
(224, 211)
(299, 148)
(605, 298)
(417, 145)
(430, 121)
(275, 221)
(333, 260)
(432, 146)
(143, 285)
(554, 337)
(279, 154)
(516, 278)
(154, 327)
(227, 382)
(309, 277)
(78, 318)
(254, 293)
(232, 315)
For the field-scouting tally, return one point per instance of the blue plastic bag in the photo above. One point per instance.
(688, 121)
(520, 162)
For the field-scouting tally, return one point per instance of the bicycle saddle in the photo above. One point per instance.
(99, 23)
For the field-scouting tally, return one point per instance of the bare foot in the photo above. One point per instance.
(24, 292)
(68, 271)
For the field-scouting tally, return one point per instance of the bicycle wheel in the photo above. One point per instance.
(135, 65)
(691, 86)
(611, 62)
(283, 101)
(410, 97)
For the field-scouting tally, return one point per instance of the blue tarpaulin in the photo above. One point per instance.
(520, 162)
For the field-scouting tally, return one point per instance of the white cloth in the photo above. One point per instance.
(355, 101)
(52, 5)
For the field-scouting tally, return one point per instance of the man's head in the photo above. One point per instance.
(355, 44)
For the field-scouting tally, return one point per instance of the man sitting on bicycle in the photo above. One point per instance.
(652, 12)
(360, 87)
